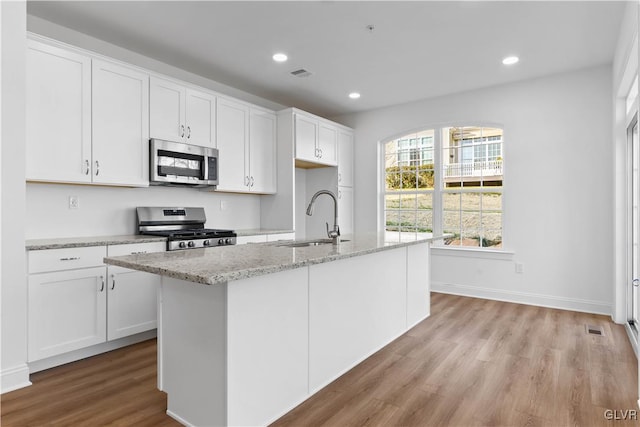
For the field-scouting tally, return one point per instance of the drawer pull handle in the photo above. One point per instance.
(102, 286)
(138, 253)
(72, 258)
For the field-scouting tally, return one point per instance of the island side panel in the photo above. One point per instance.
(356, 306)
(268, 347)
(194, 351)
(418, 283)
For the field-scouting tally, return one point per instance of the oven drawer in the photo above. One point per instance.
(136, 248)
(66, 258)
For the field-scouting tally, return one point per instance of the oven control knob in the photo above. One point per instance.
(227, 241)
(221, 242)
(191, 244)
(206, 243)
(182, 244)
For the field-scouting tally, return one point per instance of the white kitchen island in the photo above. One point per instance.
(246, 333)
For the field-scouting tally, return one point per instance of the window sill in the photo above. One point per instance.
(473, 253)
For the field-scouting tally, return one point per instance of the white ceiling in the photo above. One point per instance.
(418, 49)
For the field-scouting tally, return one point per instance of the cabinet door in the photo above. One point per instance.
(262, 151)
(120, 131)
(345, 158)
(201, 118)
(67, 311)
(306, 133)
(232, 129)
(58, 114)
(327, 144)
(167, 110)
(132, 302)
(345, 210)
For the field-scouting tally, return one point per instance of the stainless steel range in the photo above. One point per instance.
(183, 228)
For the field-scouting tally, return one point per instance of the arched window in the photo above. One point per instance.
(446, 179)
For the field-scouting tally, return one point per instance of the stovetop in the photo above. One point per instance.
(195, 233)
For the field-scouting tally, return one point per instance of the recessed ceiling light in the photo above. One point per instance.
(354, 95)
(510, 60)
(280, 57)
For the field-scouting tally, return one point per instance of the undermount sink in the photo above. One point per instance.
(309, 243)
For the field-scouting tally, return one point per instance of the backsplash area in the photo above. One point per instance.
(111, 210)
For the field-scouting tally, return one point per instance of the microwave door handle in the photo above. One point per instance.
(205, 169)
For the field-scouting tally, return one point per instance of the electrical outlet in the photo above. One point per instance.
(519, 268)
(74, 202)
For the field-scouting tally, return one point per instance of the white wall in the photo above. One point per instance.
(111, 210)
(557, 201)
(14, 372)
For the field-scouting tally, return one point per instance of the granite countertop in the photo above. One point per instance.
(212, 266)
(77, 242)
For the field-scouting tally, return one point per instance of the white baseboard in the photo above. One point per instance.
(573, 304)
(14, 378)
(179, 419)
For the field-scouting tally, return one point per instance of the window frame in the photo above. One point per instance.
(439, 190)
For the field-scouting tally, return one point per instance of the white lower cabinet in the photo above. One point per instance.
(132, 302)
(67, 311)
(345, 210)
(75, 301)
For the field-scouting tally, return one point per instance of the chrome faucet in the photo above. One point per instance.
(333, 234)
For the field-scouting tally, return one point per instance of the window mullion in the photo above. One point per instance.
(437, 182)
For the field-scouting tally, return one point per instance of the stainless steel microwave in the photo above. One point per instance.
(175, 163)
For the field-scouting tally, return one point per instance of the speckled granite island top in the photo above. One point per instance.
(212, 266)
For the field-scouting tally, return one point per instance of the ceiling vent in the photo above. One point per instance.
(301, 73)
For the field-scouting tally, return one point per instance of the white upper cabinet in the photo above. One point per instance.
(262, 151)
(247, 146)
(201, 118)
(58, 114)
(167, 110)
(120, 131)
(316, 141)
(328, 143)
(306, 136)
(182, 114)
(345, 158)
(232, 136)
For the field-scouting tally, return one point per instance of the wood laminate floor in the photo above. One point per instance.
(474, 362)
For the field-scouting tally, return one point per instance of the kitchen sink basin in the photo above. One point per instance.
(307, 243)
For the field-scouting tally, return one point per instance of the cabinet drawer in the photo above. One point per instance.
(136, 248)
(66, 259)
